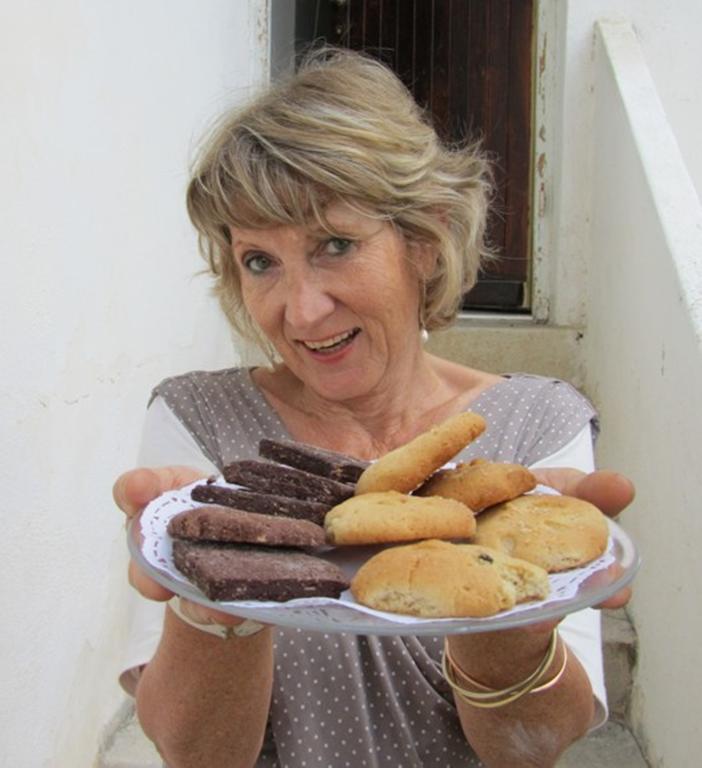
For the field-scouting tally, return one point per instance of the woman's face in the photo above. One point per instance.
(340, 310)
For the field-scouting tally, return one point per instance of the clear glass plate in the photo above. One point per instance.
(149, 545)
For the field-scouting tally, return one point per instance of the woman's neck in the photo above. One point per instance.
(370, 426)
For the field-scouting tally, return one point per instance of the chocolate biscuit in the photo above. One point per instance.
(232, 572)
(318, 461)
(267, 477)
(213, 523)
(263, 503)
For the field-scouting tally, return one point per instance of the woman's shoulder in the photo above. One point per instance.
(223, 410)
(541, 392)
(202, 382)
(213, 378)
(530, 417)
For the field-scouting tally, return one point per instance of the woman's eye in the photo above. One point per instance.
(256, 262)
(337, 246)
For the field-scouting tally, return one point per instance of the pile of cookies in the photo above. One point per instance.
(257, 541)
(517, 538)
(254, 542)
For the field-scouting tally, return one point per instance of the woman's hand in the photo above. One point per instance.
(132, 491)
(608, 491)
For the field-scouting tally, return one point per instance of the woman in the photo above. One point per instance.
(339, 230)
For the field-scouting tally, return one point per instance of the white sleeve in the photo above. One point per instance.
(164, 441)
(577, 453)
(582, 630)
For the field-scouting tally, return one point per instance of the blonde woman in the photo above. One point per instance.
(338, 229)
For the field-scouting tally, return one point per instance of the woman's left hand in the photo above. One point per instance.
(608, 491)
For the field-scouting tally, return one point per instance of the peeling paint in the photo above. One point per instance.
(542, 56)
(541, 164)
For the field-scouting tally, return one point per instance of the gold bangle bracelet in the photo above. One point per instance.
(492, 693)
(489, 697)
(556, 677)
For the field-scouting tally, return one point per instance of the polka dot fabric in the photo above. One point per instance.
(352, 701)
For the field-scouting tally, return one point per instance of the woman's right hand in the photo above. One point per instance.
(132, 491)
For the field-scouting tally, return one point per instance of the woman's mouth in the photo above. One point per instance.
(333, 344)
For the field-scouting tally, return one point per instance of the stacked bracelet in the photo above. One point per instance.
(488, 698)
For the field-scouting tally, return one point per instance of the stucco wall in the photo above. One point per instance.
(643, 363)
(673, 57)
(102, 102)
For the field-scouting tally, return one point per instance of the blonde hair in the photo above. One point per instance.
(342, 128)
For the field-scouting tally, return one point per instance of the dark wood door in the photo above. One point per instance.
(470, 63)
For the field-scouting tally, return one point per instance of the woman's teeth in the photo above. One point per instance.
(332, 343)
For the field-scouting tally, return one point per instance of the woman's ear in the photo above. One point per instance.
(425, 257)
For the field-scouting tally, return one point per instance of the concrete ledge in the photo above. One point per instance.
(128, 747)
(612, 746)
(512, 347)
(619, 640)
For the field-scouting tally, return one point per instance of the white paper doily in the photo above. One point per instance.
(570, 591)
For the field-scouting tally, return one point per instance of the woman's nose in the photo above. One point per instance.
(307, 302)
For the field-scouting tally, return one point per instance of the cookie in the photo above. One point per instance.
(375, 518)
(232, 572)
(318, 461)
(554, 532)
(437, 579)
(408, 466)
(263, 503)
(213, 523)
(267, 477)
(480, 484)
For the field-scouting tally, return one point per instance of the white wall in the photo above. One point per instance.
(643, 362)
(101, 103)
(664, 29)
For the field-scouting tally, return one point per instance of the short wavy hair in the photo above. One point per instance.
(342, 128)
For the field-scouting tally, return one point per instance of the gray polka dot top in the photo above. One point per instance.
(353, 701)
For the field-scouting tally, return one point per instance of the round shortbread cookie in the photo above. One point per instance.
(441, 580)
(408, 466)
(377, 518)
(555, 532)
(480, 484)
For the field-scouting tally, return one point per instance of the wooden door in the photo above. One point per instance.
(470, 63)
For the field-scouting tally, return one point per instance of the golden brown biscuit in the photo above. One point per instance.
(376, 518)
(555, 532)
(439, 579)
(408, 466)
(480, 484)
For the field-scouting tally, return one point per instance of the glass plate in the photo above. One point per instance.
(149, 545)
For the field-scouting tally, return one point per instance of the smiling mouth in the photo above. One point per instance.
(332, 344)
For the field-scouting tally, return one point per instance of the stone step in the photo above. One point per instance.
(619, 653)
(127, 747)
(612, 746)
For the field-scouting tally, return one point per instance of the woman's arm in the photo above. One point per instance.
(201, 699)
(536, 729)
